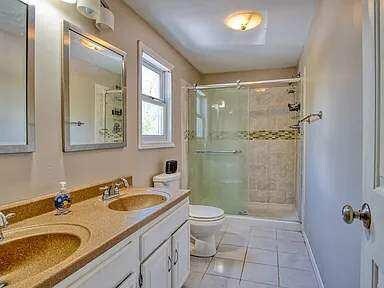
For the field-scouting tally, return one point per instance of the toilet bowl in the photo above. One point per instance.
(205, 221)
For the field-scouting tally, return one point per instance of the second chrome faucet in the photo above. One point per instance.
(113, 190)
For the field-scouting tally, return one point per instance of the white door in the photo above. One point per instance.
(180, 251)
(156, 271)
(372, 252)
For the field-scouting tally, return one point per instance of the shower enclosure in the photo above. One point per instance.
(242, 153)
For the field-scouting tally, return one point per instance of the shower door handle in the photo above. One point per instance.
(218, 151)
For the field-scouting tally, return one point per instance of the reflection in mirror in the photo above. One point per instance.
(94, 92)
(16, 77)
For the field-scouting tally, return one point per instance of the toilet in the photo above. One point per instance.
(206, 221)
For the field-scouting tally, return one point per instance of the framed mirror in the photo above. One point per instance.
(17, 77)
(93, 92)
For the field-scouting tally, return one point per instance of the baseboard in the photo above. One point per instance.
(313, 261)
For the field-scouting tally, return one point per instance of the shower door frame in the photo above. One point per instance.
(184, 112)
(300, 206)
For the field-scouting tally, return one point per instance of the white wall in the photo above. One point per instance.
(333, 64)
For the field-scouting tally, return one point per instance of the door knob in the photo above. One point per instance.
(364, 215)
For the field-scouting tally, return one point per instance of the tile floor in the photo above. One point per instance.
(254, 256)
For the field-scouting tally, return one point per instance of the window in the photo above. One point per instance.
(155, 100)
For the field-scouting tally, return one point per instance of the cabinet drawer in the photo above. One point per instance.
(117, 269)
(162, 230)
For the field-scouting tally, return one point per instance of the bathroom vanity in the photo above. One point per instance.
(156, 256)
(139, 239)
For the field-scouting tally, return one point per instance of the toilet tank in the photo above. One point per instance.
(169, 181)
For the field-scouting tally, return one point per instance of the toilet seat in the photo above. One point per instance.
(205, 213)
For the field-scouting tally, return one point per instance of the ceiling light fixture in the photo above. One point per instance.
(69, 1)
(243, 21)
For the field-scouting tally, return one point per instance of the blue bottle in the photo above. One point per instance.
(62, 200)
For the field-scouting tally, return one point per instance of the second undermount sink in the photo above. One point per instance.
(137, 202)
(27, 252)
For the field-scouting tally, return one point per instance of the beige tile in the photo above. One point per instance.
(263, 233)
(212, 281)
(292, 278)
(294, 236)
(225, 267)
(261, 256)
(235, 239)
(260, 273)
(193, 280)
(249, 284)
(295, 261)
(199, 264)
(231, 252)
(292, 247)
(263, 243)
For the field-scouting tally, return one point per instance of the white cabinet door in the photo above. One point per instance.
(180, 253)
(110, 270)
(129, 282)
(157, 269)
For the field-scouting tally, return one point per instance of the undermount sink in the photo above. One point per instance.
(27, 252)
(137, 202)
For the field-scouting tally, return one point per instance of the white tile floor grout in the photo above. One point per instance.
(255, 256)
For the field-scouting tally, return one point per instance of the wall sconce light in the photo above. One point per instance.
(106, 20)
(89, 8)
(97, 10)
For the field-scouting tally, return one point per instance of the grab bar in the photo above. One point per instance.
(218, 151)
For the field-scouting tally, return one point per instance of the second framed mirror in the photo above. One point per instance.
(93, 92)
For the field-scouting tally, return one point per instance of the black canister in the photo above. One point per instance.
(170, 166)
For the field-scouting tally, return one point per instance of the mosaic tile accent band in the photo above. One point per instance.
(251, 135)
(273, 135)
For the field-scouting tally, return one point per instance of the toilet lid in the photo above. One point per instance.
(205, 212)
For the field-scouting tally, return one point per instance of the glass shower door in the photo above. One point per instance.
(217, 148)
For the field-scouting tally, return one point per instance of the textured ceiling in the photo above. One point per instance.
(196, 28)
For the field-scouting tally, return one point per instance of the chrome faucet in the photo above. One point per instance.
(113, 191)
(4, 223)
(125, 181)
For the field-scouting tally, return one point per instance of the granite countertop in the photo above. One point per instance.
(98, 227)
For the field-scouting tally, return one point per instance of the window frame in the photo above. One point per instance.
(151, 60)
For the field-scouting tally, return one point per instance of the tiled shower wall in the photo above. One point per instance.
(272, 157)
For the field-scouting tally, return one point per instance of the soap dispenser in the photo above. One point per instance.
(62, 200)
